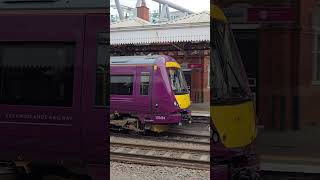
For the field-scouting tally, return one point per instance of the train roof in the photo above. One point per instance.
(52, 4)
(134, 59)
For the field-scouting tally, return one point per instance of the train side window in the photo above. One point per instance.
(144, 83)
(38, 74)
(121, 84)
(102, 71)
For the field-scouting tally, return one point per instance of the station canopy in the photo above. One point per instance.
(191, 28)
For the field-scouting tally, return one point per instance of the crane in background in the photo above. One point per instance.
(124, 10)
(164, 13)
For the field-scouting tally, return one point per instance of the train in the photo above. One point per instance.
(54, 107)
(233, 117)
(147, 93)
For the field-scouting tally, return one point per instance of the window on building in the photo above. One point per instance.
(144, 83)
(37, 74)
(121, 84)
(316, 50)
(102, 71)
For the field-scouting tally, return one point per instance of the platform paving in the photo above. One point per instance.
(290, 151)
(200, 109)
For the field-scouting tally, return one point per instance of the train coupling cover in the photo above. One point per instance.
(186, 117)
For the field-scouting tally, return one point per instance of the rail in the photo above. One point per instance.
(169, 137)
(160, 155)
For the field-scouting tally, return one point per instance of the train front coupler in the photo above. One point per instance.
(186, 117)
(231, 170)
(245, 173)
(245, 168)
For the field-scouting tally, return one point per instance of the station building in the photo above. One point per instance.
(279, 42)
(186, 39)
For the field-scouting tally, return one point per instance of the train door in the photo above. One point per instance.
(144, 81)
(95, 99)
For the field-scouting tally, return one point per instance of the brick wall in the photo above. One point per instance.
(309, 93)
(278, 50)
(206, 89)
(286, 95)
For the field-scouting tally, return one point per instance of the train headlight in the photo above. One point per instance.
(214, 136)
(175, 103)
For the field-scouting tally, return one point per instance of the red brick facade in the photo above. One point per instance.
(308, 90)
(287, 96)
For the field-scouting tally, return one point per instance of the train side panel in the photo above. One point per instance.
(29, 125)
(47, 109)
(137, 99)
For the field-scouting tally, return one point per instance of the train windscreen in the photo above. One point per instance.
(229, 80)
(177, 81)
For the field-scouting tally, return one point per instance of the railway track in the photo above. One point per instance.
(160, 155)
(188, 133)
(179, 137)
(201, 119)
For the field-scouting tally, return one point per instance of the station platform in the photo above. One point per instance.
(282, 151)
(200, 109)
(289, 151)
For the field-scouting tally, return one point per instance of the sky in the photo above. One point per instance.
(193, 5)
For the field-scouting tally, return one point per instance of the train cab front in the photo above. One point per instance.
(180, 90)
(233, 118)
(233, 135)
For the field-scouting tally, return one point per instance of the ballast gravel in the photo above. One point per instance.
(121, 171)
(114, 139)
